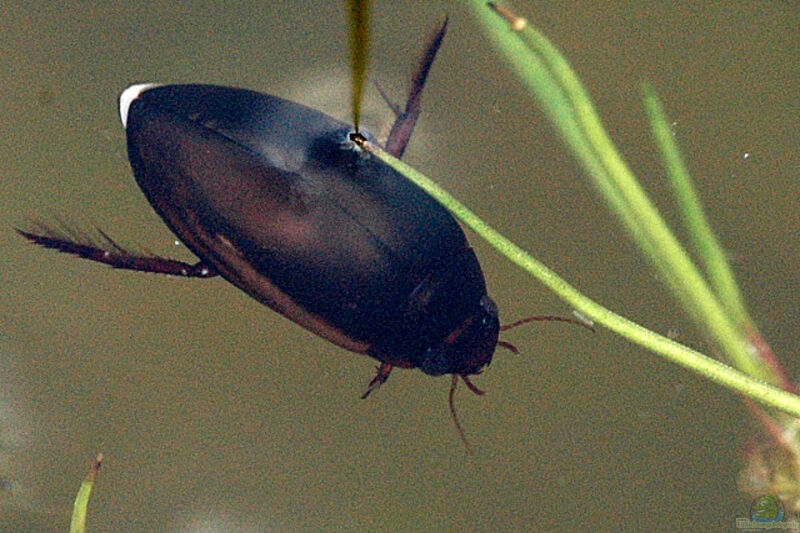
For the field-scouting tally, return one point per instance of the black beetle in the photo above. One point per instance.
(276, 198)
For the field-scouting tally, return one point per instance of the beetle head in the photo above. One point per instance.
(467, 349)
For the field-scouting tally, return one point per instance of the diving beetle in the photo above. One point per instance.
(277, 199)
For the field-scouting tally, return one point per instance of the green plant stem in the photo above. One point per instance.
(80, 508)
(706, 366)
(706, 243)
(533, 58)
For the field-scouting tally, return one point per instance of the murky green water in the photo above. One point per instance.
(215, 413)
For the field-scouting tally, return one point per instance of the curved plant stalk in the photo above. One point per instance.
(678, 353)
(714, 302)
(551, 81)
(717, 268)
(705, 242)
(534, 58)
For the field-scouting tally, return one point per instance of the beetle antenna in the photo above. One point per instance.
(550, 318)
(513, 349)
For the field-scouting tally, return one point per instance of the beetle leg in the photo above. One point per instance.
(380, 378)
(460, 430)
(394, 107)
(404, 123)
(110, 253)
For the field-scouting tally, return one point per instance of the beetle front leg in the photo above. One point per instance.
(380, 378)
(110, 253)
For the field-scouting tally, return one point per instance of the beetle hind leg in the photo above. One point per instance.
(110, 253)
(380, 378)
(406, 119)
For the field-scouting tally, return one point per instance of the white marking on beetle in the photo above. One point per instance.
(128, 96)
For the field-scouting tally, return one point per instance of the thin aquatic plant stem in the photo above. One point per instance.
(676, 352)
(533, 57)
